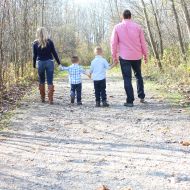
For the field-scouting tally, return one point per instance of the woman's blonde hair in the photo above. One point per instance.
(42, 36)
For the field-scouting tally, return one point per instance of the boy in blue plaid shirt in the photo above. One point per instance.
(75, 72)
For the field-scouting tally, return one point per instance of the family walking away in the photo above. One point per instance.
(98, 72)
(128, 47)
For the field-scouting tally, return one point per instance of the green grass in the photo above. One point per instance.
(5, 120)
(159, 90)
(164, 94)
(60, 74)
(176, 99)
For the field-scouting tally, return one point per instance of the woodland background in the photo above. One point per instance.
(77, 28)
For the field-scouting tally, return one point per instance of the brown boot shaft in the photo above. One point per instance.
(50, 93)
(42, 92)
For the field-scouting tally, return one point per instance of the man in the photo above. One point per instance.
(128, 42)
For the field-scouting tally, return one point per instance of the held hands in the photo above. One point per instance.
(116, 61)
(89, 76)
(60, 67)
(145, 59)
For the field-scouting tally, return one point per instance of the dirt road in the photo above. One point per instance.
(63, 147)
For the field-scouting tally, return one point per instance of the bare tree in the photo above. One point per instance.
(158, 28)
(152, 41)
(178, 29)
(186, 14)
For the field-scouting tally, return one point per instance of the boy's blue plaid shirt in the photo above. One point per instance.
(75, 72)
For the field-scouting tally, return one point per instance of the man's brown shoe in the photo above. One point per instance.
(142, 101)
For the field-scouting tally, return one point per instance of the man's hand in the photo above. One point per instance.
(145, 60)
(116, 61)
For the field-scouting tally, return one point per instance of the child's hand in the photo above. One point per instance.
(112, 66)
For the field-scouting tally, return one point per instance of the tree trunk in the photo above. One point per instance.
(25, 40)
(43, 8)
(178, 30)
(153, 44)
(186, 14)
(158, 28)
(2, 30)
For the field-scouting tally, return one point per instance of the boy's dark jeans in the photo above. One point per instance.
(76, 89)
(46, 68)
(100, 90)
(126, 68)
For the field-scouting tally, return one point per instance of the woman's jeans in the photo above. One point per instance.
(126, 67)
(46, 68)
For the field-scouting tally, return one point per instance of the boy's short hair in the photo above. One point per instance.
(74, 59)
(127, 14)
(98, 49)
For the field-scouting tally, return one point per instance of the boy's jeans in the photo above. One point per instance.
(100, 90)
(126, 68)
(76, 89)
(46, 68)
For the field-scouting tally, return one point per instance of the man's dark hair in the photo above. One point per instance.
(127, 14)
(74, 59)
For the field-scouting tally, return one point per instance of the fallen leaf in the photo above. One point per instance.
(100, 138)
(185, 143)
(52, 129)
(126, 188)
(2, 138)
(103, 188)
(51, 119)
(84, 131)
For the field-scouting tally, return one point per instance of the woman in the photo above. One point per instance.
(43, 53)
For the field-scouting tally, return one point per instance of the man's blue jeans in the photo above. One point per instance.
(126, 68)
(46, 68)
(76, 89)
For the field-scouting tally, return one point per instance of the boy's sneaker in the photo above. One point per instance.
(72, 100)
(79, 103)
(97, 104)
(105, 104)
(128, 105)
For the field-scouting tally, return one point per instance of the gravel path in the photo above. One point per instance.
(63, 147)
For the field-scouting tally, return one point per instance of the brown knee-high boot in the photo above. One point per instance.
(42, 92)
(50, 93)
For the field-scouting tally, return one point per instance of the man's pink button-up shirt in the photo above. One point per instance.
(128, 41)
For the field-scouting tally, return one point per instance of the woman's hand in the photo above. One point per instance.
(60, 67)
